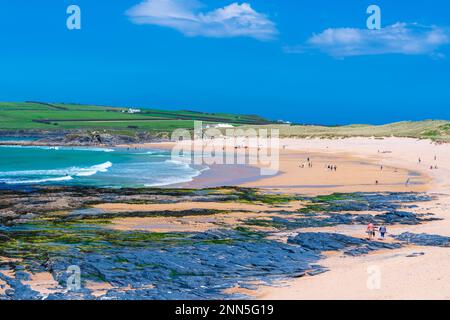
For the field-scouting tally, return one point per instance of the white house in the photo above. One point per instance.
(131, 110)
(284, 122)
(219, 126)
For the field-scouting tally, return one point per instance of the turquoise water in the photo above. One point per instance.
(91, 166)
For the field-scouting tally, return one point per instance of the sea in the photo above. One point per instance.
(88, 166)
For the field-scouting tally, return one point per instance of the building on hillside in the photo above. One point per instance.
(219, 125)
(131, 110)
(284, 122)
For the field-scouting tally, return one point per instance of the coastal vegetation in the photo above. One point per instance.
(73, 120)
(436, 130)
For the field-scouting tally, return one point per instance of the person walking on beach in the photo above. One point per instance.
(370, 230)
(382, 230)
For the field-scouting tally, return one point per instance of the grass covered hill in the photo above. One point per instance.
(46, 116)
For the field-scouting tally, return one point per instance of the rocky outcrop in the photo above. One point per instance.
(49, 229)
(80, 137)
(323, 241)
(423, 239)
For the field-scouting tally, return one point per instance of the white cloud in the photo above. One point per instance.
(234, 20)
(399, 38)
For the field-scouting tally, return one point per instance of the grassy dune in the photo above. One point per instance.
(436, 130)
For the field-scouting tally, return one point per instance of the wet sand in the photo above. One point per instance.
(233, 215)
(355, 171)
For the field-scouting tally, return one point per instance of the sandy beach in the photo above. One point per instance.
(360, 163)
(402, 277)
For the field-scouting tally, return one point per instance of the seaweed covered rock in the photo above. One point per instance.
(324, 241)
(424, 239)
(359, 201)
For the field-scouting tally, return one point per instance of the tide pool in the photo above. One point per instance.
(103, 167)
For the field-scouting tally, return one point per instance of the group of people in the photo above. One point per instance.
(371, 231)
(435, 167)
(332, 167)
(308, 163)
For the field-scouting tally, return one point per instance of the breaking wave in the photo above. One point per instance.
(55, 175)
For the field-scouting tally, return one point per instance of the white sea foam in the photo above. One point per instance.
(94, 169)
(33, 181)
(92, 149)
(140, 171)
(179, 179)
(180, 163)
(154, 153)
(72, 171)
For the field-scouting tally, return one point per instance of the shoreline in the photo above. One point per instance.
(318, 180)
(310, 182)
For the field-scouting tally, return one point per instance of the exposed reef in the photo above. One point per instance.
(423, 239)
(45, 230)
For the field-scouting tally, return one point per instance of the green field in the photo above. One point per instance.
(35, 115)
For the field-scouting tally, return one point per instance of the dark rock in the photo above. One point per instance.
(415, 254)
(323, 241)
(423, 239)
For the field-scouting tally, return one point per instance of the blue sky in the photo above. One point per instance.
(308, 61)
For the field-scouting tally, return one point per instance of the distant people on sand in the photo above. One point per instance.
(309, 163)
(370, 230)
(382, 231)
